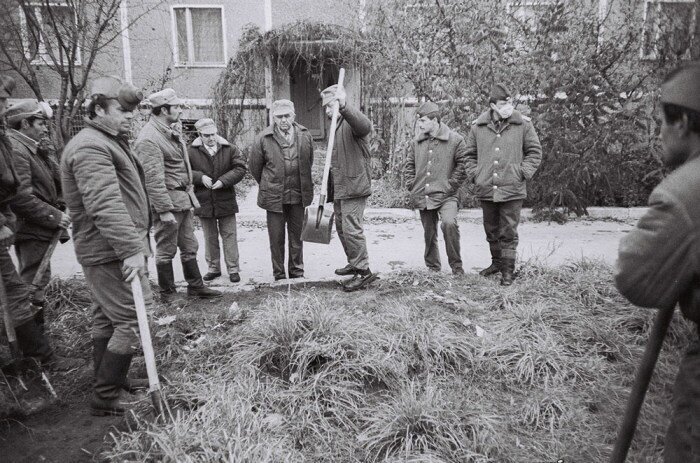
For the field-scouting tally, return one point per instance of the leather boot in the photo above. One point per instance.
(195, 285)
(495, 266)
(347, 270)
(109, 380)
(99, 346)
(361, 280)
(507, 271)
(166, 277)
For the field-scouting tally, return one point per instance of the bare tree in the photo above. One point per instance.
(62, 39)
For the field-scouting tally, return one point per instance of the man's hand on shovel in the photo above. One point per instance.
(133, 266)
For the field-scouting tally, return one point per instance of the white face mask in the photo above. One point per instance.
(505, 111)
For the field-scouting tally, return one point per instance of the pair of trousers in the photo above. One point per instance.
(17, 291)
(171, 236)
(114, 313)
(501, 226)
(447, 215)
(30, 253)
(682, 442)
(225, 227)
(349, 216)
(291, 218)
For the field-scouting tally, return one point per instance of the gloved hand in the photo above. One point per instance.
(217, 185)
(133, 266)
(65, 221)
(167, 217)
(206, 181)
(341, 96)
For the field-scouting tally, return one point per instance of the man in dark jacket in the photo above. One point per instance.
(40, 207)
(435, 169)
(104, 189)
(659, 261)
(216, 167)
(163, 154)
(349, 185)
(503, 152)
(30, 337)
(280, 161)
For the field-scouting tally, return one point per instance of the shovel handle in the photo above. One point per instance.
(46, 260)
(9, 324)
(641, 383)
(331, 139)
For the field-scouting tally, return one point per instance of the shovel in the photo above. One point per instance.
(641, 383)
(318, 220)
(45, 261)
(147, 346)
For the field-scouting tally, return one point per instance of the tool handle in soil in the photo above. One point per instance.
(9, 324)
(46, 260)
(641, 383)
(147, 345)
(331, 140)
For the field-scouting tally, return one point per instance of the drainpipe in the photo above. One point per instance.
(126, 45)
(268, 62)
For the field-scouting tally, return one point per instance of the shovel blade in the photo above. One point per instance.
(318, 224)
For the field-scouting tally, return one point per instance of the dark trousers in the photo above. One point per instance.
(447, 215)
(683, 435)
(501, 226)
(17, 291)
(29, 256)
(291, 218)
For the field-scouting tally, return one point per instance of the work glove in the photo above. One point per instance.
(167, 217)
(133, 266)
(206, 181)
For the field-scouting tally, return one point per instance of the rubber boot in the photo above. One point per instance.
(39, 319)
(110, 377)
(495, 266)
(507, 271)
(195, 285)
(166, 277)
(99, 346)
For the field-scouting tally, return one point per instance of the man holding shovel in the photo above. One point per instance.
(659, 261)
(40, 207)
(104, 189)
(349, 185)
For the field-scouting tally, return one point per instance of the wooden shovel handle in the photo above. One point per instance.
(331, 142)
(9, 324)
(46, 260)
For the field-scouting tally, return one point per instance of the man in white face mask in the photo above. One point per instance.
(503, 152)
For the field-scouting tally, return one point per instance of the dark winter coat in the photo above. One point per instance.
(499, 161)
(351, 171)
(38, 205)
(105, 191)
(227, 165)
(436, 168)
(266, 164)
(8, 181)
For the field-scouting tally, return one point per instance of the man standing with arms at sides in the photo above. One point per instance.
(280, 161)
(103, 186)
(40, 207)
(503, 152)
(349, 185)
(659, 261)
(216, 167)
(169, 184)
(435, 170)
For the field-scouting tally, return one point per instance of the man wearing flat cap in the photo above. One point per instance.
(349, 185)
(40, 208)
(104, 189)
(659, 261)
(435, 169)
(163, 154)
(217, 166)
(280, 161)
(503, 152)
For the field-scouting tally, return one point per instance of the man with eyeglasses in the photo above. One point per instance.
(280, 161)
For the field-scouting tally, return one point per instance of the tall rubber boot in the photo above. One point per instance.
(33, 343)
(39, 319)
(195, 284)
(166, 277)
(109, 380)
(495, 266)
(507, 271)
(99, 346)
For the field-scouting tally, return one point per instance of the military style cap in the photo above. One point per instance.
(499, 92)
(205, 126)
(25, 110)
(428, 109)
(113, 88)
(165, 96)
(7, 86)
(282, 107)
(683, 87)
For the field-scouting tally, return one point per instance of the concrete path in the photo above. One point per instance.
(395, 242)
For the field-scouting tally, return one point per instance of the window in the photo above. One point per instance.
(198, 36)
(41, 33)
(669, 27)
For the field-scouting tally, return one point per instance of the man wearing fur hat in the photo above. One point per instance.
(40, 207)
(104, 190)
(658, 264)
(162, 152)
(503, 152)
(216, 167)
(349, 185)
(435, 169)
(280, 161)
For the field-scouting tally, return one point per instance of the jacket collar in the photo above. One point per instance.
(19, 137)
(163, 128)
(485, 118)
(270, 129)
(443, 134)
(221, 141)
(102, 128)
